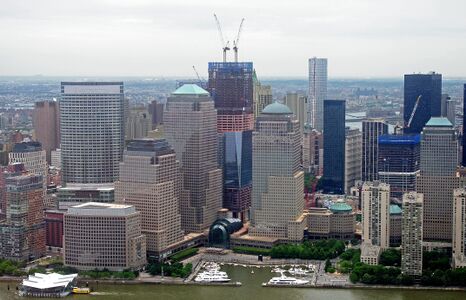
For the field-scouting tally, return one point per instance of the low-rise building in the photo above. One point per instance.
(77, 193)
(395, 225)
(338, 222)
(104, 236)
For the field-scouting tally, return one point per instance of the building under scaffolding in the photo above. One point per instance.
(231, 86)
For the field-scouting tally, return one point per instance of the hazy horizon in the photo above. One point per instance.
(361, 38)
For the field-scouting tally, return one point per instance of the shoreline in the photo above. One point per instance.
(170, 281)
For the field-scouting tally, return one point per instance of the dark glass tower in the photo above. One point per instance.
(428, 88)
(334, 146)
(231, 87)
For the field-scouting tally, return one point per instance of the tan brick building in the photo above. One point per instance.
(150, 180)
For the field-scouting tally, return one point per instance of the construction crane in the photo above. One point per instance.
(197, 75)
(414, 111)
(225, 46)
(236, 41)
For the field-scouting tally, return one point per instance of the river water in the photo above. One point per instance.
(251, 289)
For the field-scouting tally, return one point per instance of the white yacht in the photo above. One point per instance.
(212, 276)
(285, 280)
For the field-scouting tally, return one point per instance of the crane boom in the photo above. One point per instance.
(236, 41)
(225, 46)
(197, 75)
(414, 111)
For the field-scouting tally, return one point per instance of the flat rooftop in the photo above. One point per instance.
(101, 209)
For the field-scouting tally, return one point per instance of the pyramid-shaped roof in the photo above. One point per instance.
(190, 89)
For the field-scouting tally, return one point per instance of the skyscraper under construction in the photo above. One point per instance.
(231, 87)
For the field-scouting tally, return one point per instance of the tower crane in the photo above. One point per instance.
(236, 41)
(197, 75)
(225, 46)
(414, 111)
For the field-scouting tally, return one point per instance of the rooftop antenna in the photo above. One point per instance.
(236, 41)
(225, 46)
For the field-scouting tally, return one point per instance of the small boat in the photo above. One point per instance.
(252, 271)
(83, 290)
(298, 271)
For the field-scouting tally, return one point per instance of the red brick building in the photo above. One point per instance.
(54, 228)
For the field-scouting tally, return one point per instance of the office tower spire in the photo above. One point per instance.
(191, 128)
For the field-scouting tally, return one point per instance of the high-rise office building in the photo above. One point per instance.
(317, 92)
(191, 128)
(375, 198)
(313, 145)
(33, 156)
(437, 179)
(426, 91)
(231, 87)
(353, 157)
(46, 121)
(451, 111)
(398, 162)
(92, 131)
(150, 180)
(463, 141)
(104, 236)
(371, 130)
(297, 104)
(156, 111)
(22, 235)
(411, 241)
(138, 123)
(334, 146)
(262, 95)
(459, 228)
(278, 180)
(5, 172)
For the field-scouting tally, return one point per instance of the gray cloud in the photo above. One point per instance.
(153, 38)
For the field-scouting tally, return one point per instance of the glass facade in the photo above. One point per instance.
(237, 171)
(398, 162)
(334, 146)
(429, 88)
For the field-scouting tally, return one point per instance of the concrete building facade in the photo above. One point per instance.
(278, 181)
(317, 92)
(297, 104)
(411, 243)
(459, 228)
(104, 236)
(438, 179)
(191, 129)
(353, 157)
(32, 156)
(375, 198)
(22, 235)
(92, 131)
(46, 122)
(150, 180)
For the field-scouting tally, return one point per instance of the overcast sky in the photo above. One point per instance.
(361, 38)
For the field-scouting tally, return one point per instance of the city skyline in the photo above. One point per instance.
(372, 34)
